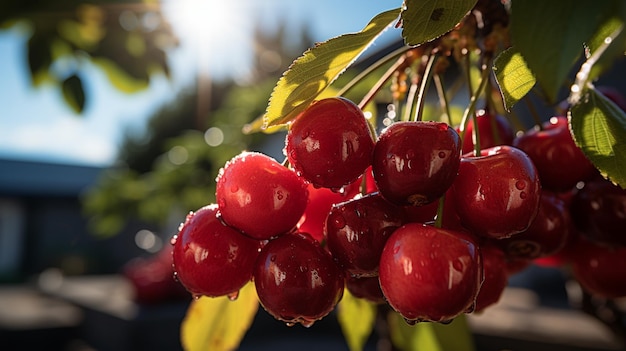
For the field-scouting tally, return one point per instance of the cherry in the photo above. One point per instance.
(416, 162)
(560, 163)
(546, 235)
(430, 274)
(321, 200)
(600, 270)
(210, 258)
(329, 144)
(357, 230)
(493, 130)
(495, 275)
(259, 196)
(367, 288)
(496, 194)
(296, 280)
(599, 212)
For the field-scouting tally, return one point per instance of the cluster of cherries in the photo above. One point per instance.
(415, 217)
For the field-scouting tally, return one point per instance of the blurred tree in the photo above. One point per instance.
(171, 169)
(127, 39)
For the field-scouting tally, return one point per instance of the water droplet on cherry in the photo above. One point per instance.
(233, 296)
(523, 195)
(520, 185)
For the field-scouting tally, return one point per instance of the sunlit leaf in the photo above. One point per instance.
(616, 48)
(513, 76)
(218, 324)
(318, 67)
(356, 317)
(554, 41)
(599, 128)
(424, 21)
(120, 78)
(73, 93)
(430, 336)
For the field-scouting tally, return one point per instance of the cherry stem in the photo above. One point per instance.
(533, 112)
(380, 83)
(371, 68)
(468, 72)
(443, 98)
(421, 94)
(471, 108)
(410, 101)
(439, 217)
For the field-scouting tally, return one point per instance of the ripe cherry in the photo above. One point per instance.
(367, 288)
(430, 274)
(259, 196)
(330, 144)
(416, 162)
(356, 232)
(211, 258)
(600, 270)
(493, 130)
(497, 194)
(495, 275)
(296, 280)
(560, 163)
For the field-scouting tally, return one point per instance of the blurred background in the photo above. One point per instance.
(115, 117)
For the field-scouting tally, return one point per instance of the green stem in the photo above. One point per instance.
(443, 98)
(471, 108)
(410, 102)
(467, 65)
(439, 218)
(421, 95)
(371, 68)
(533, 112)
(380, 83)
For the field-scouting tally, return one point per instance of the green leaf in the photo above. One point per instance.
(431, 336)
(513, 76)
(615, 49)
(356, 317)
(550, 36)
(599, 128)
(424, 21)
(73, 93)
(219, 324)
(318, 67)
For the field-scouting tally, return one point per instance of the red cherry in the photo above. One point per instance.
(560, 163)
(416, 162)
(495, 276)
(356, 232)
(430, 274)
(367, 288)
(330, 144)
(600, 270)
(321, 200)
(546, 235)
(599, 212)
(297, 281)
(493, 130)
(259, 196)
(211, 258)
(497, 194)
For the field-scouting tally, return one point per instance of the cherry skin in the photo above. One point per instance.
(496, 195)
(356, 232)
(367, 288)
(495, 276)
(547, 234)
(416, 162)
(329, 144)
(560, 163)
(493, 130)
(259, 196)
(296, 280)
(430, 274)
(210, 258)
(599, 212)
(600, 270)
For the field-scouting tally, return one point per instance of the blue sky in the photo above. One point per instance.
(35, 124)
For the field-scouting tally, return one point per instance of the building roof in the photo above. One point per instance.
(34, 178)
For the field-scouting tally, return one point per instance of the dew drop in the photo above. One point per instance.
(173, 240)
(196, 296)
(233, 295)
(340, 222)
(273, 258)
(234, 188)
(290, 324)
(411, 321)
(523, 195)
(520, 185)
(221, 203)
(175, 277)
(442, 154)
(307, 323)
(447, 321)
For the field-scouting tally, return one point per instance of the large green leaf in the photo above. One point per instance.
(431, 336)
(219, 324)
(513, 76)
(318, 67)
(356, 317)
(550, 36)
(611, 34)
(599, 128)
(424, 21)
